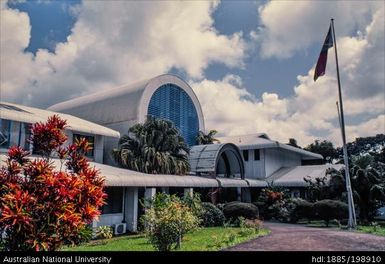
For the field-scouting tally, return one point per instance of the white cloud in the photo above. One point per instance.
(232, 110)
(292, 26)
(113, 44)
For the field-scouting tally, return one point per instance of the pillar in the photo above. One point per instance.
(239, 194)
(188, 192)
(131, 208)
(149, 193)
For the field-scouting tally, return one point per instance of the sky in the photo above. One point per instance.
(251, 63)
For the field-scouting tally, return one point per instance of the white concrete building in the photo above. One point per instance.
(221, 172)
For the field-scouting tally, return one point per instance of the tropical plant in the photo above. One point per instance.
(205, 139)
(155, 147)
(272, 202)
(368, 185)
(167, 220)
(103, 232)
(41, 208)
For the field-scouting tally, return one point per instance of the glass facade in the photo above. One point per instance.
(173, 103)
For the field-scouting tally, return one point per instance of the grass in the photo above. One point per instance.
(203, 239)
(371, 229)
(375, 230)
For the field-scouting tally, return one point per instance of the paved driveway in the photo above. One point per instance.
(288, 237)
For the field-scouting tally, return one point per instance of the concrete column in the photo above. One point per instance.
(246, 195)
(239, 194)
(149, 193)
(188, 192)
(131, 208)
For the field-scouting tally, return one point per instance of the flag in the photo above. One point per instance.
(323, 56)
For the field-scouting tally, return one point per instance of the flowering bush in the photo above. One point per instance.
(167, 220)
(42, 208)
(273, 203)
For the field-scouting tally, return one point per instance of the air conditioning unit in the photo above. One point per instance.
(120, 229)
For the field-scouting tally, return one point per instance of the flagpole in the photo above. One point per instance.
(352, 215)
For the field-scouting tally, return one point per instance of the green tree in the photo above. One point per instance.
(368, 186)
(167, 220)
(325, 148)
(155, 147)
(205, 139)
(293, 142)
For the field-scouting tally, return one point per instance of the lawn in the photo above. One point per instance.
(203, 239)
(375, 230)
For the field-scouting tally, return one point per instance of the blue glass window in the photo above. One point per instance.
(173, 103)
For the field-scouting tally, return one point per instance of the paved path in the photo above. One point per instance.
(288, 237)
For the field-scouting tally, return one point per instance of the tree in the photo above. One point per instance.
(375, 146)
(205, 139)
(167, 220)
(293, 142)
(42, 208)
(325, 148)
(155, 147)
(368, 186)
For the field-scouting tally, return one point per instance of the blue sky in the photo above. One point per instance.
(249, 62)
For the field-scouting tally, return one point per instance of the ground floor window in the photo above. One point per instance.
(114, 201)
(5, 133)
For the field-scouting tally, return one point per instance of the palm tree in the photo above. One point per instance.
(155, 147)
(368, 184)
(205, 139)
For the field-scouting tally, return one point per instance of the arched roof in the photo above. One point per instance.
(204, 159)
(125, 103)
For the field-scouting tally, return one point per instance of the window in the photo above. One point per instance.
(256, 154)
(5, 133)
(25, 136)
(114, 201)
(173, 103)
(246, 155)
(90, 140)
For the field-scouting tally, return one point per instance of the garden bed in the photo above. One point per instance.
(203, 239)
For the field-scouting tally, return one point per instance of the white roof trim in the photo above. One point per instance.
(33, 115)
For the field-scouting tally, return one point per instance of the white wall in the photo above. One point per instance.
(111, 143)
(276, 158)
(254, 169)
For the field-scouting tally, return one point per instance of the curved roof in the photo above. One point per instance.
(203, 159)
(30, 115)
(125, 103)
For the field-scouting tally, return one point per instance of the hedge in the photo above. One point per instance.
(233, 210)
(211, 215)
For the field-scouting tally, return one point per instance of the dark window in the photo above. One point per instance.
(90, 140)
(26, 132)
(256, 154)
(5, 133)
(114, 200)
(246, 155)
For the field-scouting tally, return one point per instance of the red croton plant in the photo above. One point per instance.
(43, 207)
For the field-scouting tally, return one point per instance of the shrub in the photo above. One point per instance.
(301, 209)
(167, 220)
(103, 232)
(84, 235)
(211, 215)
(233, 210)
(43, 208)
(330, 209)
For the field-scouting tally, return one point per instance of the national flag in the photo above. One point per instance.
(323, 56)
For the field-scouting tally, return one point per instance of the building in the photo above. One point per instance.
(235, 169)
(269, 161)
(165, 96)
(124, 187)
